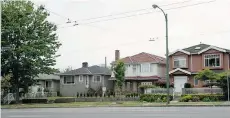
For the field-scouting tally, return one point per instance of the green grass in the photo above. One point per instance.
(107, 104)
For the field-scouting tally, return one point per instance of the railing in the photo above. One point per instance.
(158, 91)
(40, 95)
(202, 91)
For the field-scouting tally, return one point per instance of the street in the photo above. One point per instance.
(119, 112)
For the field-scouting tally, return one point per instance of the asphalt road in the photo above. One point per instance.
(119, 112)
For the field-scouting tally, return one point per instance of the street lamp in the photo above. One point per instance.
(167, 59)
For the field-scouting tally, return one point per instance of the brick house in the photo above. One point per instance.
(141, 69)
(186, 63)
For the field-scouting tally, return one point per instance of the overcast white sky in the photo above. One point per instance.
(207, 23)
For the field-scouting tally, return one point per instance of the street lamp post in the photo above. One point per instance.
(167, 59)
(228, 83)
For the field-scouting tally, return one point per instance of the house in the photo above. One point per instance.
(82, 79)
(186, 63)
(49, 82)
(141, 69)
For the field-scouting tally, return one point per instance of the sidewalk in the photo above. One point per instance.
(113, 104)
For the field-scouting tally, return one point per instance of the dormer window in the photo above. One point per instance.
(179, 62)
(212, 60)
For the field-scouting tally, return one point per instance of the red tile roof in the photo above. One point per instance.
(143, 57)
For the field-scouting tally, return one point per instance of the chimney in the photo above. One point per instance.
(117, 55)
(105, 62)
(85, 64)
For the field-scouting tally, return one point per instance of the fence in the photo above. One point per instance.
(39, 95)
(158, 91)
(202, 91)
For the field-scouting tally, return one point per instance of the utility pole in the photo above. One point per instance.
(228, 83)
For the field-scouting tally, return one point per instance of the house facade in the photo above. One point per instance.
(82, 79)
(141, 69)
(49, 82)
(186, 63)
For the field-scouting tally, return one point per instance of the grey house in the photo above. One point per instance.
(49, 82)
(82, 79)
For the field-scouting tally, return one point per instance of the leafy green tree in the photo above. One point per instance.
(119, 72)
(5, 83)
(223, 83)
(32, 42)
(208, 74)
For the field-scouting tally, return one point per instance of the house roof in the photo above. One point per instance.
(88, 71)
(193, 49)
(143, 57)
(47, 77)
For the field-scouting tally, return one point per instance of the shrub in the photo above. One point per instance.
(205, 97)
(187, 85)
(154, 97)
(34, 100)
(132, 95)
(186, 98)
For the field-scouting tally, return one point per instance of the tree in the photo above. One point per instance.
(208, 74)
(222, 82)
(32, 40)
(119, 71)
(5, 83)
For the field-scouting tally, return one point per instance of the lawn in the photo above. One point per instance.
(109, 104)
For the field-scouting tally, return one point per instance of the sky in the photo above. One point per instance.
(94, 39)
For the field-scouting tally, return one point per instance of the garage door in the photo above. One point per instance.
(179, 82)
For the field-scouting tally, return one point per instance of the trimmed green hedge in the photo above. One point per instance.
(201, 97)
(154, 97)
(34, 100)
(131, 95)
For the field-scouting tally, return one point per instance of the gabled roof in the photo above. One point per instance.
(143, 57)
(47, 77)
(200, 48)
(181, 70)
(89, 71)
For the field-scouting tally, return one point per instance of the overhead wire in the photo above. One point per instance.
(142, 13)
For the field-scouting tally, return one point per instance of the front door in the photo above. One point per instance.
(179, 82)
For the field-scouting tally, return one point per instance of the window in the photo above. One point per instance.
(80, 78)
(69, 80)
(196, 81)
(126, 68)
(145, 67)
(212, 60)
(48, 84)
(179, 62)
(134, 68)
(97, 78)
(146, 83)
(152, 67)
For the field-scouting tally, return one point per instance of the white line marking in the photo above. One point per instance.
(27, 116)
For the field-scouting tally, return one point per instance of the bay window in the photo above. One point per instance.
(212, 60)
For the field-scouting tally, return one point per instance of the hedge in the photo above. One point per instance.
(34, 100)
(201, 97)
(131, 95)
(155, 97)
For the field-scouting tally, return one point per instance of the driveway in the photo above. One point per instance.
(120, 112)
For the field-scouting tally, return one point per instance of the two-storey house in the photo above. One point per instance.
(141, 69)
(186, 63)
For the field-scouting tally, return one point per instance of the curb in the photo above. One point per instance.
(124, 106)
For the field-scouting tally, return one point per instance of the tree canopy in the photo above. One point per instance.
(31, 39)
(119, 72)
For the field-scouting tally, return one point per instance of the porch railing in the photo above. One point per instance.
(202, 91)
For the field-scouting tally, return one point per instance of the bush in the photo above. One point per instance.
(132, 95)
(34, 100)
(204, 97)
(154, 97)
(187, 85)
(185, 98)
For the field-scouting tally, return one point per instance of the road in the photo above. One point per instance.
(119, 112)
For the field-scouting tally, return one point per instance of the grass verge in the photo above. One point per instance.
(108, 104)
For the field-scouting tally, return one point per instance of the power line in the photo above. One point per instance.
(131, 11)
(142, 13)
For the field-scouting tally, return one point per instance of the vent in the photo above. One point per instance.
(197, 48)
